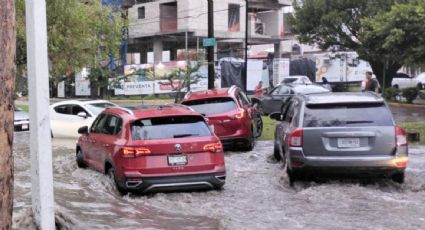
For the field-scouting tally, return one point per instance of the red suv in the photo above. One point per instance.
(155, 149)
(231, 114)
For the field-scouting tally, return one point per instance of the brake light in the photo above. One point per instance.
(214, 147)
(130, 152)
(240, 114)
(296, 138)
(400, 136)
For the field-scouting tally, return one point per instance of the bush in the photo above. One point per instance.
(391, 93)
(410, 94)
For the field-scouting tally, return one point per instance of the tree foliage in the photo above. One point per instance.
(81, 33)
(364, 26)
(400, 32)
(181, 79)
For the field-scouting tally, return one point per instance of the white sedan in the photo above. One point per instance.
(402, 81)
(296, 79)
(66, 117)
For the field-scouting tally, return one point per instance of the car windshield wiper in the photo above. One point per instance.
(184, 135)
(358, 122)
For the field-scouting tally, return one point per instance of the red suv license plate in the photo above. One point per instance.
(177, 159)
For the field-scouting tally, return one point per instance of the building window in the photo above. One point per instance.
(141, 12)
(234, 18)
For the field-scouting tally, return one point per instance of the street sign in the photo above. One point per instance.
(209, 42)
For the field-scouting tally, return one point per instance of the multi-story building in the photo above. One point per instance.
(161, 30)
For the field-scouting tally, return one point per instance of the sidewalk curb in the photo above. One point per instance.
(403, 105)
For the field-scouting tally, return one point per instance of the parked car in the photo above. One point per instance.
(21, 120)
(402, 81)
(67, 116)
(296, 79)
(273, 101)
(231, 114)
(339, 133)
(164, 148)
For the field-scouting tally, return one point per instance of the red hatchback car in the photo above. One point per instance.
(231, 114)
(155, 149)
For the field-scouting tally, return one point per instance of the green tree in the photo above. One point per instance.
(7, 79)
(81, 33)
(401, 32)
(181, 79)
(344, 24)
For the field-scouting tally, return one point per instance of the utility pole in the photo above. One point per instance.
(210, 49)
(245, 77)
(38, 86)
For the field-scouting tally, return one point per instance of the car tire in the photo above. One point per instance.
(80, 159)
(398, 178)
(259, 107)
(259, 126)
(419, 86)
(293, 176)
(276, 152)
(395, 86)
(111, 174)
(251, 142)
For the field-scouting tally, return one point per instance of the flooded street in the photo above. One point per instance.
(256, 195)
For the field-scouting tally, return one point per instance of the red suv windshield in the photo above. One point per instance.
(169, 127)
(212, 106)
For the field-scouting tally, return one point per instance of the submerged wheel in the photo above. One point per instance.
(111, 174)
(292, 175)
(259, 124)
(398, 178)
(80, 159)
(251, 142)
(276, 152)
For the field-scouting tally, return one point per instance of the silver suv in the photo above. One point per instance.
(339, 133)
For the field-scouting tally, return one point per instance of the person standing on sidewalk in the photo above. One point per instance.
(259, 90)
(372, 84)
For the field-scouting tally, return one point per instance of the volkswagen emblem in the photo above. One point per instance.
(178, 147)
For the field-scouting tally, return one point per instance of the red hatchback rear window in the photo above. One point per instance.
(169, 127)
(212, 106)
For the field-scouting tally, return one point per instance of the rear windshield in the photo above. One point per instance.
(289, 80)
(169, 127)
(212, 105)
(351, 115)
(310, 90)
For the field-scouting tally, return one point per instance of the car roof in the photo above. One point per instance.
(296, 76)
(141, 112)
(80, 102)
(343, 98)
(211, 93)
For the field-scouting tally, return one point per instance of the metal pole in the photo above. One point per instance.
(245, 79)
(210, 49)
(197, 48)
(186, 46)
(40, 136)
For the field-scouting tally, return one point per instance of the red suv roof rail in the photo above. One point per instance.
(123, 109)
(187, 95)
(232, 89)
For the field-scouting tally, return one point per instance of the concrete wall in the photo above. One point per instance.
(192, 16)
